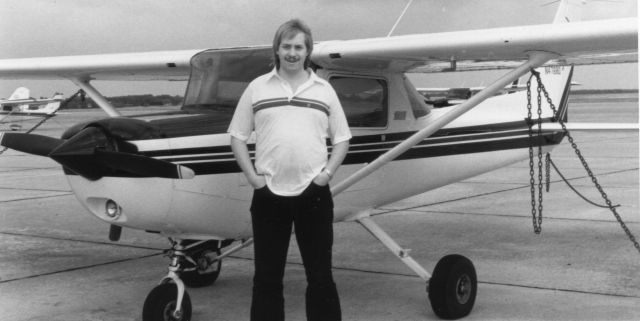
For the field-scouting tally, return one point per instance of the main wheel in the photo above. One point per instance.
(453, 287)
(204, 275)
(160, 304)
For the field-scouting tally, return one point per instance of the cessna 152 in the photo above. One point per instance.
(175, 174)
(445, 97)
(21, 104)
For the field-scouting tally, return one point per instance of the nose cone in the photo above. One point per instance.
(83, 143)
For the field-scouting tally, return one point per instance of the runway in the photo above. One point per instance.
(56, 262)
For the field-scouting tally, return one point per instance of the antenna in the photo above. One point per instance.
(399, 18)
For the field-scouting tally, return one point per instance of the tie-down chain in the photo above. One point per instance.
(536, 211)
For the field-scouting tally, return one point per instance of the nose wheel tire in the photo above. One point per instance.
(453, 286)
(160, 304)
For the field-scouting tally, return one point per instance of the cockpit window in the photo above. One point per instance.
(364, 100)
(219, 77)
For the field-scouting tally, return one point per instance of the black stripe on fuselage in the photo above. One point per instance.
(364, 149)
(361, 154)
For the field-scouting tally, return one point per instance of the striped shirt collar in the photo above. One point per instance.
(312, 76)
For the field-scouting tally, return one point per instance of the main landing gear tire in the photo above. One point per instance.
(453, 287)
(160, 304)
(197, 279)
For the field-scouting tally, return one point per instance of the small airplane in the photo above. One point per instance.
(21, 104)
(445, 97)
(175, 175)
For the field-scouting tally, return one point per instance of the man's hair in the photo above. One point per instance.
(289, 30)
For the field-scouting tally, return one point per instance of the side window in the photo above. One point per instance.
(364, 100)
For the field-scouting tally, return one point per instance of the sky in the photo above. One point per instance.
(40, 28)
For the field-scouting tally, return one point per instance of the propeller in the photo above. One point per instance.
(92, 155)
(143, 166)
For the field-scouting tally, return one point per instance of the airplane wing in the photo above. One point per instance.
(588, 42)
(155, 65)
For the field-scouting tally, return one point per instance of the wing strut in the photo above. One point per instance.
(536, 59)
(96, 96)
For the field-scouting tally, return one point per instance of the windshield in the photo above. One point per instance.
(219, 77)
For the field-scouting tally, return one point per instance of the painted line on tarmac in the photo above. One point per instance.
(36, 198)
(80, 268)
(485, 282)
(349, 269)
(35, 189)
(517, 216)
(391, 211)
(560, 289)
(82, 241)
(59, 238)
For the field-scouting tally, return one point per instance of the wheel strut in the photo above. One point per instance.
(166, 301)
(453, 286)
(395, 248)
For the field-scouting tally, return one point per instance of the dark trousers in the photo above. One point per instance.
(273, 216)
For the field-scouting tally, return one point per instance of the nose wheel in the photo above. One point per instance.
(169, 301)
(161, 303)
(194, 264)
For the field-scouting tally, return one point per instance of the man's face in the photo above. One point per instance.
(292, 52)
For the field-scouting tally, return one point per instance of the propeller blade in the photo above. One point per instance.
(143, 166)
(30, 143)
(84, 154)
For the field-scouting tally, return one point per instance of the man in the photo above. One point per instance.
(292, 112)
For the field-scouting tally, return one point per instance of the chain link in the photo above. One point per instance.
(536, 209)
(548, 171)
(610, 205)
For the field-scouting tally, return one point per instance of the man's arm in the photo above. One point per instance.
(337, 156)
(241, 152)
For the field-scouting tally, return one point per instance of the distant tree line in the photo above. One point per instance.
(603, 91)
(127, 101)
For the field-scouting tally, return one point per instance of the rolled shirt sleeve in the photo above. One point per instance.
(242, 122)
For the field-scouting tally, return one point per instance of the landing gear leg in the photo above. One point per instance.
(198, 263)
(453, 286)
(169, 301)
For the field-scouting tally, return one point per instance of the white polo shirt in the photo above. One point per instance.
(291, 129)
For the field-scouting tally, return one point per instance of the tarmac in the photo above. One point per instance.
(56, 262)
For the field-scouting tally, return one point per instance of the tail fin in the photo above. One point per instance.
(557, 82)
(569, 11)
(20, 93)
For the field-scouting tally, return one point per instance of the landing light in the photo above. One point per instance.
(112, 209)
